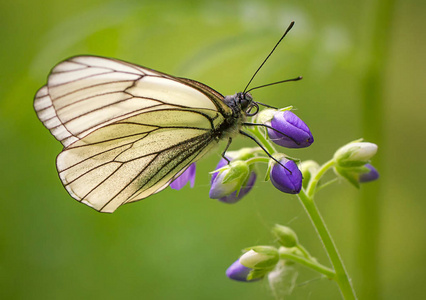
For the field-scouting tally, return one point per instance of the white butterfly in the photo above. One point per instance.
(128, 131)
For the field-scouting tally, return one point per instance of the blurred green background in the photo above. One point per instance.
(177, 244)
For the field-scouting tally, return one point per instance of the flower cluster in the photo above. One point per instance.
(231, 181)
(235, 176)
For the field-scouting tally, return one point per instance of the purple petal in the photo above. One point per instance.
(370, 176)
(296, 133)
(187, 175)
(287, 180)
(233, 198)
(239, 272)
(223, 162)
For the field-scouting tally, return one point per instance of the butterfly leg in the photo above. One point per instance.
(226, 149)
(264, 149)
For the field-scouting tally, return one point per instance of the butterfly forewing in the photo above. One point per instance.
(127, 131)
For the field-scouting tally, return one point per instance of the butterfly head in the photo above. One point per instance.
(247, 104)
(242, 102)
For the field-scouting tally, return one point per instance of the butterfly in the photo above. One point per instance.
(129, 131)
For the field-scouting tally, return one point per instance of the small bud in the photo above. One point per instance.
(288, 179)
(291, 131)
(239, 272)
(260, 257)
(234, 188)
(187, 176)
(355, 154)
(286, 236)
(370, 175)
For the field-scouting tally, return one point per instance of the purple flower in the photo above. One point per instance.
(287, 180)
(187, 175)
(295, 133)
(239, 272)
(228, 192)
(369, 176)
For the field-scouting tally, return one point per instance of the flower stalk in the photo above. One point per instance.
(341, 276)
(329, 273)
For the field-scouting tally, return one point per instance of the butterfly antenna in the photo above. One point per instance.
(269, 84)
(270, 53)
(266, 105)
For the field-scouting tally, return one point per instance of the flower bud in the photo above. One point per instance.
(355, 154)
(239, 272)
(291, 131)
(371, 175)
(233, 190)
(260, 257)
(288, 179)
(187, 176)
(286, 236)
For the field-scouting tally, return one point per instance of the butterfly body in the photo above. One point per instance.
(128, 131)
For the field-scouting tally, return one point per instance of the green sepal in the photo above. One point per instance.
(237, 170)
(351, 177)
(257, 273)
(352, 174)
(286, 108)
(351, 164)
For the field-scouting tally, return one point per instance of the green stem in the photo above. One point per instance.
(310, 190)
(341, 277)
(304, 251)
(309, 263)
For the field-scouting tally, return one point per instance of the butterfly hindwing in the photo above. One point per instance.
(107, 174)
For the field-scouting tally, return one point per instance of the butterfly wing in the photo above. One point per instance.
(127, 131)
